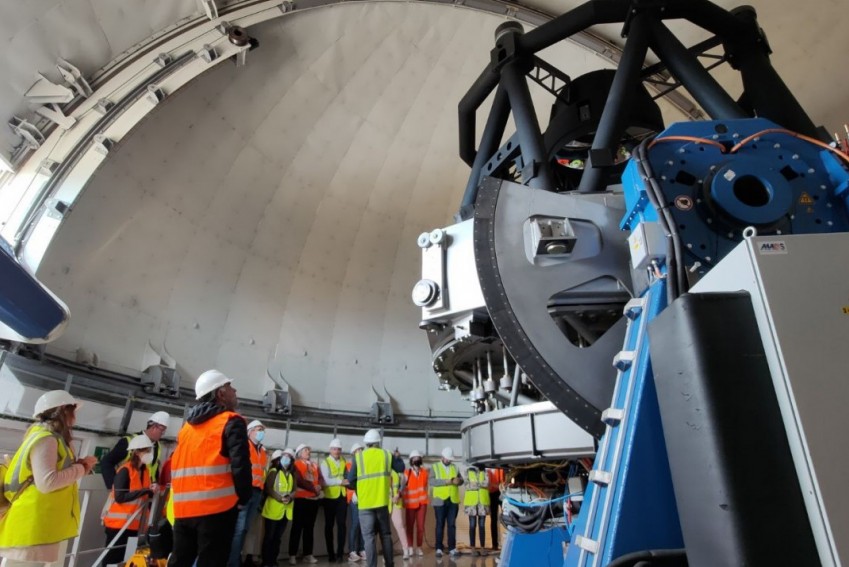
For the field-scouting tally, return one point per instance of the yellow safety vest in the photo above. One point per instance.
(169, 507)
(373, 466)
(449, 491)
(477, 491)
(337, 472)
(396, 492)
(274, 510)
(152, 468)
(37, 518)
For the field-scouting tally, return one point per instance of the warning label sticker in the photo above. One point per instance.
(805, 199)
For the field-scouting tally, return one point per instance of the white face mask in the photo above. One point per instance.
(147, 458)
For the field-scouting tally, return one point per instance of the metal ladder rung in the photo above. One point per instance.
(624, 359)
(601, 478)
(612, 416)
(634, 307)
(586, 544)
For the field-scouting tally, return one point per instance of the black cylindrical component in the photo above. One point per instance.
(576, 20)
(765, 91)
(467, 108)
(618, 105)
(685, 67)
(492, 133)
(534, 155)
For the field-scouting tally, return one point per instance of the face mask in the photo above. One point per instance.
(286, 461)
(147, 458)
(260, 435)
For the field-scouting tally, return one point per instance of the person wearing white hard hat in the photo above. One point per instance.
(41, 484)
(131, 491)
(415, 501)
(155, 428)
(444, 482)
(307, 497)
(279, 503)
(259, 461)
(210, 475)
(371, 476)
(333, 469)
(356, 545)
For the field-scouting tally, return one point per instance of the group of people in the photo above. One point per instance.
(221, 478)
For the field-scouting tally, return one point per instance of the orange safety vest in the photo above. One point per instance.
(201, 478)
(496, 479)
(415, 493)
(309, 471)
(350, 493)
(259, 460)
(118, 514)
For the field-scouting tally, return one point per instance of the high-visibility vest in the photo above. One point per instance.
(308, 471)
(373, 477)
(152, 468)
(37, 518)
(449, 491)
(351, 493)
(274, 510)
(337, 471)
(415, 493)
(117, 514)
(169, 507)
(476, 491)
(496, 479)
(201, 478)
(259, 460)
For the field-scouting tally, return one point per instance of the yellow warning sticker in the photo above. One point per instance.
(805, 199)
(846, 309)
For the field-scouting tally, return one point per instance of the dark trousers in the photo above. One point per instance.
(243, 523)
(205, 538)
(447, 513)
(303, 522)
(161, 541)
(271, 540)
(372, 521)
(335, 512)
(494, 503)
(355, 534)
(116, 554)
(480, 521)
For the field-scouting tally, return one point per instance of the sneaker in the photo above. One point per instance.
(310, 559)
(363, 555)
(476, 553)
(406, 553)
(353, 557)
(419, 552)
(439, 553)
(293, 560)
(453, 553)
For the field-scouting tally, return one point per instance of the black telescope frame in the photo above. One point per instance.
(514, 61)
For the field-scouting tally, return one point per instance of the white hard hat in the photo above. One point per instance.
(54, 399)
(414, 454)
(290, 452)
(335, 444)
(139, 442)
(276, 454)
(255, 423)
(355, 447)
(208, 382)
(448, 454)
(300, 448)
(161, 418)
(371, 436)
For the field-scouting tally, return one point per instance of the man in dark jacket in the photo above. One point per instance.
(211, 475)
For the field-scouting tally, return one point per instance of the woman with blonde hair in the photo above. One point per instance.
(41, 485)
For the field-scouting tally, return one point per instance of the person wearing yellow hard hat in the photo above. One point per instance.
(41, 482)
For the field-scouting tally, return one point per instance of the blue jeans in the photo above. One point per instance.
(243, 522)
(372, 521)
(355, 535)
(446, 513)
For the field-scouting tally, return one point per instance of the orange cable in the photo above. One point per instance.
(693, 139)
(808, 139)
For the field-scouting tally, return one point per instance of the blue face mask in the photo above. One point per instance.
(260, 435)
(286, 461)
